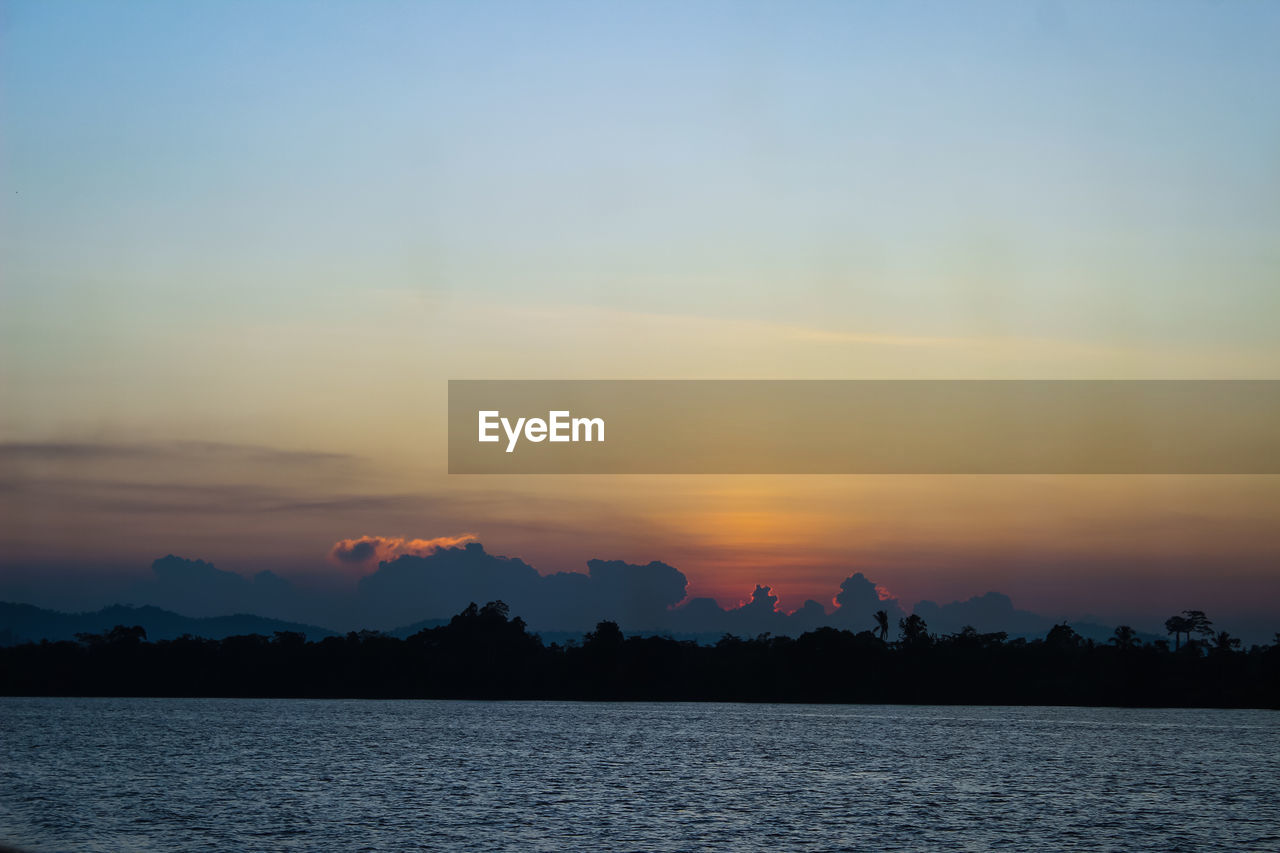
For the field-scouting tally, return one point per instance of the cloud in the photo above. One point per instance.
(410, 588)
(858, 600)
(993, 611)
(626, 593)
(131, 484)
(760, 615)
(762, 600)
(198, 588)
(438, 584)
(82, 451)
(368, 550)
(416, 580)
(118, 497)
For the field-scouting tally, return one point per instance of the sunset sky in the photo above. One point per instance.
(245, 245)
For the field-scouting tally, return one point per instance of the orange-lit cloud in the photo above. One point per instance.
(368, 551)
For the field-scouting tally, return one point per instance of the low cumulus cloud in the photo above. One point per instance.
(438, 584)
(854, 610)
(859, 598)
(993, 611)
(405, 581)
(197, 588)
(370, 550)
(639, 597)
(408, 581)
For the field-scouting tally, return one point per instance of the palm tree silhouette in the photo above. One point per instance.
(1224, 643)
(882, 623)
(1190, 622)
(1177, 626)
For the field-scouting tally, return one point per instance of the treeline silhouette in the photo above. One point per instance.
(483, 653)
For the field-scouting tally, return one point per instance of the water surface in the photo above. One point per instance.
(227, 774)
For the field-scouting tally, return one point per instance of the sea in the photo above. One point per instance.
(352, 775)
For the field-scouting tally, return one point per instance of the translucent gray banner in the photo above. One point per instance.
(863, 427)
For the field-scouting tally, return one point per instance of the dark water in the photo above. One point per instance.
(160, 774)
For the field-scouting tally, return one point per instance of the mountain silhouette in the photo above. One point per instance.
(21, 623)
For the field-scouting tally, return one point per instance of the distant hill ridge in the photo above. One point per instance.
(21, 623)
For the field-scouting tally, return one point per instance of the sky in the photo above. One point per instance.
(245, 245)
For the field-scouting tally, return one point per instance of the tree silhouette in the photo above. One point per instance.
(1125, 638)
(484, 653)
(606, 636)
(1177, 626)
(120, 635)
(1224, 643)
(969, 638)
(1197, 623)
(882, 624)
(494, 609)
(915, 632)
(1190, 622)
(1063, 636)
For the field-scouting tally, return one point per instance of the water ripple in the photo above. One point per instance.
(217, 774)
